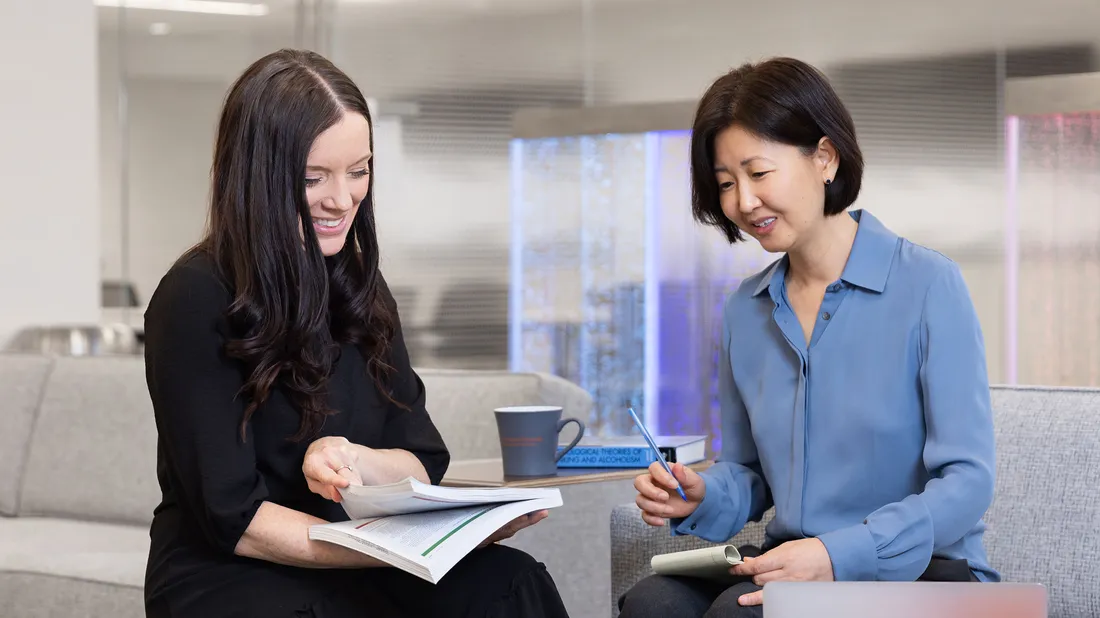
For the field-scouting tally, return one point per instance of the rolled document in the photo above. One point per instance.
(707, 563)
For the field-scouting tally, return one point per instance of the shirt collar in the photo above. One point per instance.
(872, 253)
(868, 263)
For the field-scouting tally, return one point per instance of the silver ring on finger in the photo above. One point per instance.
(342, 467)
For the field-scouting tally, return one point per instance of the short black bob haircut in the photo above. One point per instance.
(783, 101)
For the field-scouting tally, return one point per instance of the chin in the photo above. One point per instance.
(775, 245)
(332, 246)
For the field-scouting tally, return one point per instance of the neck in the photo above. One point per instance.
(820, 261)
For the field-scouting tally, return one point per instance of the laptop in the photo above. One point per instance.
(904, 600)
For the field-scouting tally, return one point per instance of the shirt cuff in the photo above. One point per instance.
(853, 553)
(713, 515)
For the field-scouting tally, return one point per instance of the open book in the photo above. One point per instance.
(425, 529)
(706, 563)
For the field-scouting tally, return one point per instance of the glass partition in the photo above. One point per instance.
(614, 286)
(1054, 204)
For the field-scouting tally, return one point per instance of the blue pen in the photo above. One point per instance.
(656, 451)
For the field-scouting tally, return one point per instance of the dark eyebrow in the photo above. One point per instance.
(744, 162)
(321, 168)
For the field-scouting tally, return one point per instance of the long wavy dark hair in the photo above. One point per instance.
(291, 309)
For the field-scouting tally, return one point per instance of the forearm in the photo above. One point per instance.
(897, 541)
(281, 535)
(390, 466)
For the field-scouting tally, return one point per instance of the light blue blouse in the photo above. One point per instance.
(877, 437)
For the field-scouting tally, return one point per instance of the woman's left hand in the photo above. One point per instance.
(514, 526)
(805, 560)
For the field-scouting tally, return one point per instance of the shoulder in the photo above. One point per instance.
(925, 269)
(932, 282)
(192, 285)
(746, 290)
(744, 300)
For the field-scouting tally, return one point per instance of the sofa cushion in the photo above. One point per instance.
(1046, 507)
(93, 452)
(34, 595)
(95, 552)
(22, 377)
(57, 567)
(461, 405)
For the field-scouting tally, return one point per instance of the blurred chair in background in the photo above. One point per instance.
(77, 340)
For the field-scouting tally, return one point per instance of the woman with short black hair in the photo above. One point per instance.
(853, 384)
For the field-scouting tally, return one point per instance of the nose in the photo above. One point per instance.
(746, 198)
(340, 198)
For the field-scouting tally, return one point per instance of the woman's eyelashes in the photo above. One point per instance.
(727, 185)
(355, 175)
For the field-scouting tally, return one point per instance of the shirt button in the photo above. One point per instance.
(693, 526)
(825, 316)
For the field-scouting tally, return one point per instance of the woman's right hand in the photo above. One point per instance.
(330, 464)
(657, 496)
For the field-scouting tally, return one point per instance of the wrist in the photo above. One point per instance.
(364, 456)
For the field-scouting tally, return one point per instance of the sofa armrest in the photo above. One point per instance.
(634, 543)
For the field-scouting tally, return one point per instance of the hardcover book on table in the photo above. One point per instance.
(633, 452)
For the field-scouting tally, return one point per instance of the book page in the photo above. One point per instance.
(420, 535)
(412, 496)
(429, 543)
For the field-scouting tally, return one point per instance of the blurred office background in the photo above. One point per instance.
(509, 252)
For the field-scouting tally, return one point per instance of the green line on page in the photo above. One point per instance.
(456, 529)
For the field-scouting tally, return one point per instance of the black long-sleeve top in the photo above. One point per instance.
(212, 482)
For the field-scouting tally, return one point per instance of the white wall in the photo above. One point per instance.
(170, 142)
(49, 245)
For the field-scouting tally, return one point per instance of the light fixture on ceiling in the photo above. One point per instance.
(159, 28)
(213, 7)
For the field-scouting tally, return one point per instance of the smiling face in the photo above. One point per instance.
(771, 191)
(337, 179)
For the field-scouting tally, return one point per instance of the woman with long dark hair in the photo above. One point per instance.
(278, 374)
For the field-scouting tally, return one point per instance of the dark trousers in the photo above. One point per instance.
(494, 582)
(687, 597)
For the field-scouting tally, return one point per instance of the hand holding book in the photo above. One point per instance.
(510, 529)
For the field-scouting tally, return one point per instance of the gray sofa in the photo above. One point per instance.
(1043, 524)
(78, 482)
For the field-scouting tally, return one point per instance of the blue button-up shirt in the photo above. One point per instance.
(877, 436)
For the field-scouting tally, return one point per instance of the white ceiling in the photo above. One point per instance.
(674, 45)
(1010, 18)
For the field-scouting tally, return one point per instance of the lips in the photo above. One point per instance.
(330, 227)
(762, 227)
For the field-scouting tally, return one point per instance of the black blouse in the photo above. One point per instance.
(212, 482)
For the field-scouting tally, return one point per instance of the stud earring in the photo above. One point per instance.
(828, 181)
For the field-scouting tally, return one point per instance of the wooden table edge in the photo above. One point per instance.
(565, 476)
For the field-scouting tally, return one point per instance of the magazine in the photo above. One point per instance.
(426, 529)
